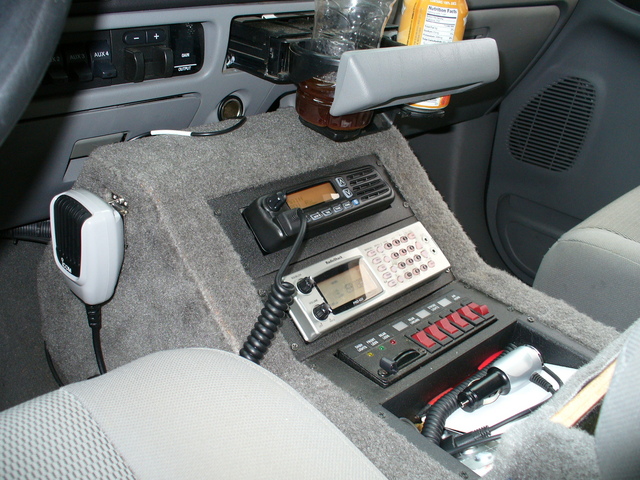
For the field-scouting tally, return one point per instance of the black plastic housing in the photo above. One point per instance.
(359, 193)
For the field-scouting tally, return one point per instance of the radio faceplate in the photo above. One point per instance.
(344, 286)
(328, 202)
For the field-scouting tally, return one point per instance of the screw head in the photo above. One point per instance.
(295, 347)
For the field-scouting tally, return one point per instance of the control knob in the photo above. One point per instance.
(322, 311)
(305, 285)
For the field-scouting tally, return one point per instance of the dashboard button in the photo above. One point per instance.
(446, 325)
(458, 321)
(156, 35)
(137, 37)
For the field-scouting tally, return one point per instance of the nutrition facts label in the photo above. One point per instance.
(439, 25)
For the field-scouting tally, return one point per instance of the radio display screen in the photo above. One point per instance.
(347, 285)
(311, 196)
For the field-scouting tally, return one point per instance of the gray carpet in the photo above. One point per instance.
(24, 370)
(182, 283)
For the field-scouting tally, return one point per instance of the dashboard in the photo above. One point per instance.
(127, 67)
(84, 103)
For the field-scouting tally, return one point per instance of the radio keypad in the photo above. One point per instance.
(396, 252)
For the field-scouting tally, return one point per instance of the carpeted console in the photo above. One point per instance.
(183, 283)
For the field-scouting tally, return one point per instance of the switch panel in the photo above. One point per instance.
(111, 57)
(412, 338)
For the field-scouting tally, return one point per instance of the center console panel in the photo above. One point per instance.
(378, 309)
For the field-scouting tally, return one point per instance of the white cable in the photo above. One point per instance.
(181, 133)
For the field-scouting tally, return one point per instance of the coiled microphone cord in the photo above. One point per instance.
(275, 307)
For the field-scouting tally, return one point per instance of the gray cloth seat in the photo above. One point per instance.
(595, 266)
(200, 413)
(180, 414)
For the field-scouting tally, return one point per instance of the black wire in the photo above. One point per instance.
(94, 316)
(553, 375)
(294, 249)
(52, 367)
(480, 441)
(97, 348)
(235, 126)
(542, 382)
(458, 443)
(517, 416)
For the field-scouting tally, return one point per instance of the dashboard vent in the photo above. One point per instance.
(550, 130)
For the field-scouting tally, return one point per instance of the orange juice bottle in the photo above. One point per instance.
(425, 22)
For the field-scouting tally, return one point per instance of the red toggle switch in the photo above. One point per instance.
(468, 313)
(421, 337)
(445, 325)
(458, 320)
(479, 309)
(436, 333)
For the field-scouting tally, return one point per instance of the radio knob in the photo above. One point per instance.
(275, 201)
(305, 285)
(321, 312)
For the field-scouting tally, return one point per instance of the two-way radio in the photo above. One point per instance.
(328, 203)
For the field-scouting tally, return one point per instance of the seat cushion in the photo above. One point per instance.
(595, 266)
(183, 414)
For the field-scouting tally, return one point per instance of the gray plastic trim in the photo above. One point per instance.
(213, 82)
(412, 73)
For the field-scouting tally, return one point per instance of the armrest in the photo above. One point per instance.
(383, 77)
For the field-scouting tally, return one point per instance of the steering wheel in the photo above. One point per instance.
(29, 34)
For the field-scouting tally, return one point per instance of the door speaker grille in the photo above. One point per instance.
(550, 129)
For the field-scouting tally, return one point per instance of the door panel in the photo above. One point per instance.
(567, 135)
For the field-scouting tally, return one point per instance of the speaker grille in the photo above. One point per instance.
(69, 216)
(550, 129)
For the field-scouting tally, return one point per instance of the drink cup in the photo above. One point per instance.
(339, 26)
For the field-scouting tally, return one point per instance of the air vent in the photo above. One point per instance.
(550, 130)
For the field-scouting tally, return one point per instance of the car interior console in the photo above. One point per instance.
(192, 152)
(377, 307)
(386, 305)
